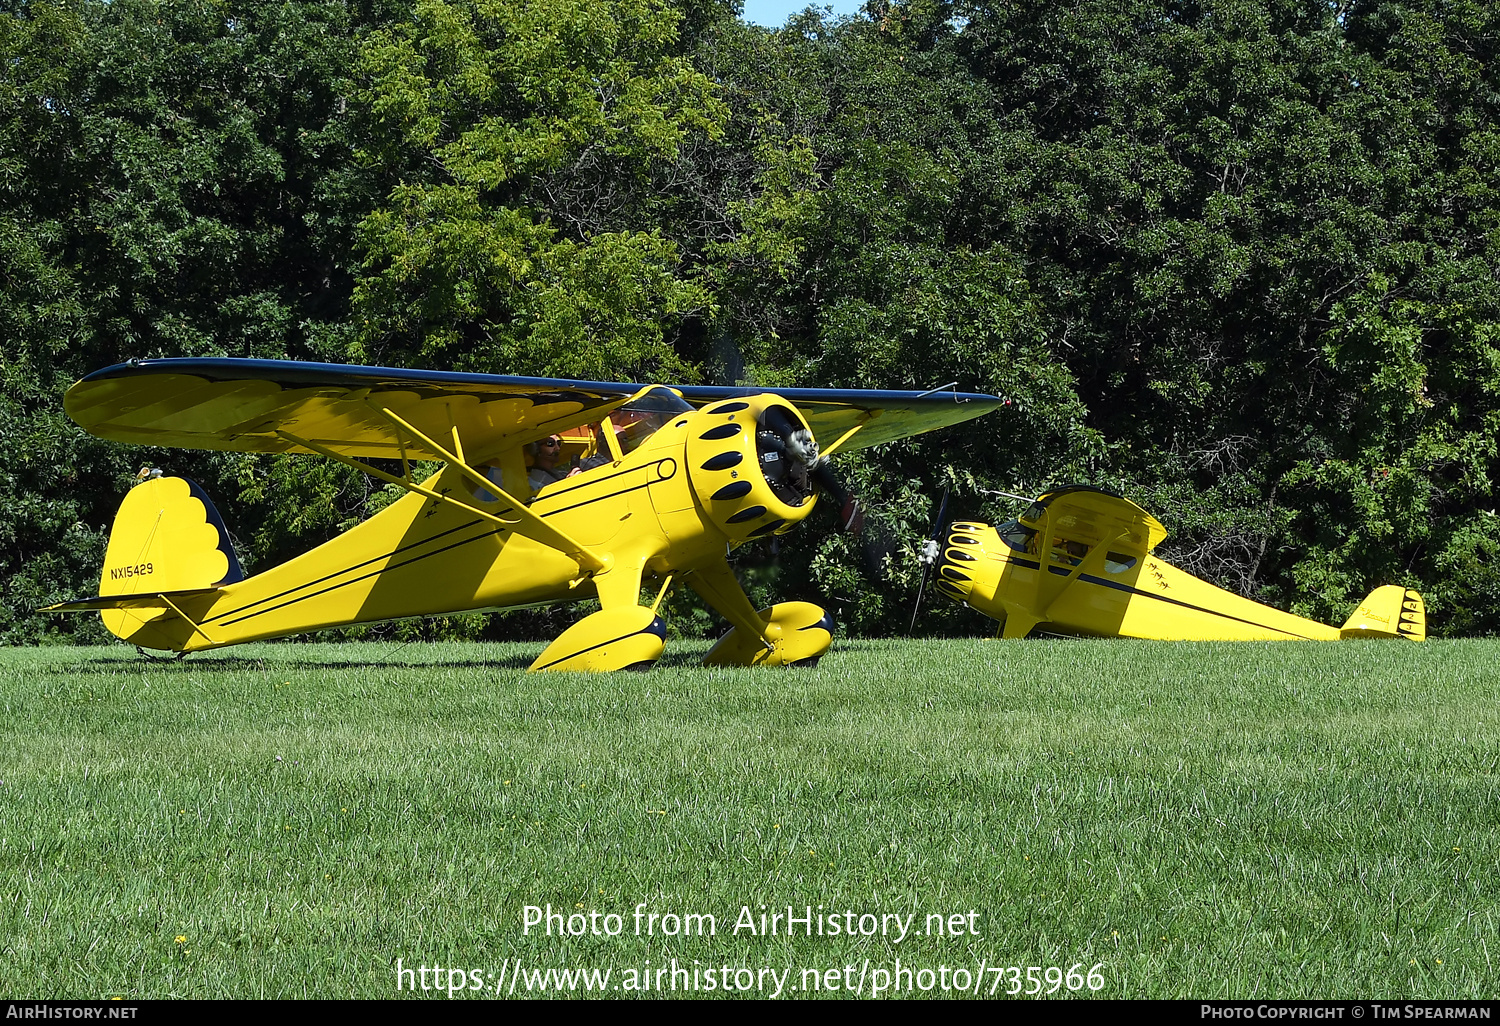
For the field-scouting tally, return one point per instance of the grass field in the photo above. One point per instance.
(1187, 820)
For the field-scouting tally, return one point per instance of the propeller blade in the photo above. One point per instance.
(929, 556)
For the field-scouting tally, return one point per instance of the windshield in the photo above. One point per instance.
(1017, 536)
(643, 416)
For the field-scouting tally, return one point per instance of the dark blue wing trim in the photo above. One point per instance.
(296, 373)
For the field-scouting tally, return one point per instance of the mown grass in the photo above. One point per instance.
(1206, 820)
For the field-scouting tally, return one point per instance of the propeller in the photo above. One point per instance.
(928, 557)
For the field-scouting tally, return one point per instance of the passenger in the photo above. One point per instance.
(492, 473)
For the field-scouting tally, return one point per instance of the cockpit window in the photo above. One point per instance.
(662, 401)
(1017, 536)
(1023, 539)
(645, 415)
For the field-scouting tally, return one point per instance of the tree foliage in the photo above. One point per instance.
(521, 233)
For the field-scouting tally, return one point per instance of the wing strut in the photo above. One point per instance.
(1091, 562)
(869, 416)
(526, 523)
(1051, 563)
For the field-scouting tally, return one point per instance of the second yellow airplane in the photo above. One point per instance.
(1079, 561)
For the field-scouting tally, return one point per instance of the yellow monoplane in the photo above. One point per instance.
(1079, 561)
(654, 484)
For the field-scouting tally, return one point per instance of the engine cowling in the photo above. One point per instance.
(747, 468)
(970, 568)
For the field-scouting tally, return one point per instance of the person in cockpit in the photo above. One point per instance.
(544, 459)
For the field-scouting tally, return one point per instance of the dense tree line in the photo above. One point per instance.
(1236, 259)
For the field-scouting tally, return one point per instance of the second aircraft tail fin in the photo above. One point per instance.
(1389, 612)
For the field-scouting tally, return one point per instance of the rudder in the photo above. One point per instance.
(1389, 612)
(168, 549)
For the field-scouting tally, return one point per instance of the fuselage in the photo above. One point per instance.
(1124, 596)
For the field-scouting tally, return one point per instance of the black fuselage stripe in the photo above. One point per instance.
(607, 495)
(364, 577)
(1128, 589)
(597, 498)
(221, 619)
(339, 573)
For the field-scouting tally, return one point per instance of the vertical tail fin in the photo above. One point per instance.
(1389, 612)
(168, 550)
(166, 537)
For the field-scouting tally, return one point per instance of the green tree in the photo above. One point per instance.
(518, 234)
(163, 192)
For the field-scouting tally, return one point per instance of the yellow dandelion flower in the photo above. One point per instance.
(181, 939)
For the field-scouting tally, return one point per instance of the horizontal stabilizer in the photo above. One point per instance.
(1389, 612)
(146, 600)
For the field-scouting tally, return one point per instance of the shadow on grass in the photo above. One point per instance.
(409, 654)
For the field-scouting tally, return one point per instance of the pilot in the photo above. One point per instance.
(544, 469)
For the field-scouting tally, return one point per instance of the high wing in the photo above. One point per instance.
(1093, 517)
(879, 416)
(370, 412)
(1076, 531)
(277, 405)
